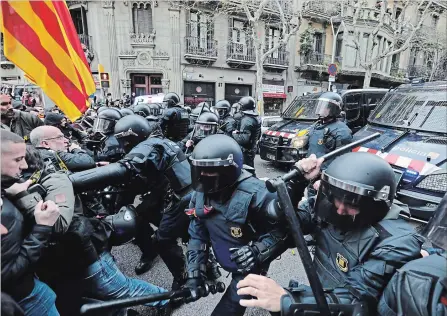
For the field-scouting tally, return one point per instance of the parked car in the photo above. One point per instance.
(286, 141)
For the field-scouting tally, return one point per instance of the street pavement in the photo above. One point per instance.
(287, 267)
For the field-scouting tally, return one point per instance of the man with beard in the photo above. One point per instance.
(18, 122)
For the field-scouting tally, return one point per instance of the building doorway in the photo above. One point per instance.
(234, 92)
(144, 84)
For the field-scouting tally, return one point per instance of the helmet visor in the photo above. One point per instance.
(102, 125)
(327, 108)
(222, 111)
(203, 130)
(436, 229)
(213, 179)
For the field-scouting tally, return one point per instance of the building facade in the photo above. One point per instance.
(151, 47)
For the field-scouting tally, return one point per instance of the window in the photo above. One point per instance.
(79, 20)
(318, 43)
(273, 38)
(142, 18)
(352, 105)
(339, 44)
(200, 29)
(398, 12)
(373, 98)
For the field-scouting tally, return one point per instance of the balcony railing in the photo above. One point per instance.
(316, 58)
(86, 40)
(418, 71)
(241, 52)
(278, 59)
(203, 48)
(325, 9)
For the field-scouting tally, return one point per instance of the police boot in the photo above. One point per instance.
(212, 267)
(147, 258)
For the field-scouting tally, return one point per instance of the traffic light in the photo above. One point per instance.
(105, 79)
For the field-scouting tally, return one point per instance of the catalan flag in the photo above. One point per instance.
(40, 38)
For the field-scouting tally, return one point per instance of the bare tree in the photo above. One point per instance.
(404, 31)
(259, 14)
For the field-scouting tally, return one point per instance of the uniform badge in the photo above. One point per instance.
(236, 232)
(342, 263)
(320, 142)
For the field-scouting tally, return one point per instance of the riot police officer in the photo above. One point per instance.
(207, 124)
(419, 288)
(142, 109)
(229, 209)
(360, 239)
(195, 114)
(153, 159)
(237, 115)
(328, 133)
(250, 130)
(126, 111)
(109, 148)
(175, 120)
(227, 122)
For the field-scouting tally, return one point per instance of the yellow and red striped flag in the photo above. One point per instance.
(40, 38)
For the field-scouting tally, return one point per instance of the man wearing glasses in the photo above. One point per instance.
(16, 121)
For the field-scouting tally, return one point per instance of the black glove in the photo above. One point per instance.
(245, 258)
(197, 288)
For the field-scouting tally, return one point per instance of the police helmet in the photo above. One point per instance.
(436, 229)
(207, 124)
(223, 107)
(195, 114)
(102, 108)
(123, 225)
(105, 121)
(205, 104)
(155, 109)
(132, 129)
(356, 190)
(126, 111)
(142, 109)
(247, 104)
(216, 163)
(329, 105)
(171, 99)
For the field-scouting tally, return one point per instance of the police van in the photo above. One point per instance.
(413, 122)
(286, 141)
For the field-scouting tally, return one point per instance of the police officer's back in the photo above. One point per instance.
(227, 122)
(328, 133)
(229, 209)
(249, 131)
(175, 120)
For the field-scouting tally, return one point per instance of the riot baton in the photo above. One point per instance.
(219, 287)
(297, 172)
(194, 128)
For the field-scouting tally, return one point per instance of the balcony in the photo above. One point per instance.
(200, 50)
(418, 71)
(146, 40)
(316, 61)
(86, 40)
(278, 60)
(240, 55)
(321, 11)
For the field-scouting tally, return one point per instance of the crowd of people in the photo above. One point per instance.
(73, 190)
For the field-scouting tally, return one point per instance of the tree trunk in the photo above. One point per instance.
(259, 96)
(367, 80)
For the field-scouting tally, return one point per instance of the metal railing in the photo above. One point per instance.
(316, 58)
(86, 40)
(327, 8)
(200, 46)
(418, 71)
(278, 57)
(241, 51)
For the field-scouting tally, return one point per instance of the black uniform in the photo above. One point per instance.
(248, 136)
(175, 123)
(110, 150)
(231, 215)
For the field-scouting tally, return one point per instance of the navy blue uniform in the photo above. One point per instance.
(110, 150)
(175, 123)
(248, 136)
(232, 224)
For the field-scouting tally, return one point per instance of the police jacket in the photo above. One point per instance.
(356, 266)
(22, 123)
(21, 249)
(158, 158)
(417, 288)
(228, 125)
(324, 138)
(76, 160)
(233, 224)
(175, 123)
(249, 132)
(196, 140)
(110, 150)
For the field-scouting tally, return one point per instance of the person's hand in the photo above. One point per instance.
(316, 185)
(310, 166)
(189, 143)
(16, 188)
(74, 146)
(267, 292)
(102, 163)
(46, 213)
(235, 132)
(196, 286)
(424, 253)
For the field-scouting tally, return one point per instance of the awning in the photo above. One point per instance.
(275, 95)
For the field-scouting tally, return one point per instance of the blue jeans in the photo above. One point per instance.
(41, 301)
(104, 281)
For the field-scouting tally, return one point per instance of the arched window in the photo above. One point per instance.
(142, 18)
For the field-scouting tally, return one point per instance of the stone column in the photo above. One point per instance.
(109, 11)
(174, 20)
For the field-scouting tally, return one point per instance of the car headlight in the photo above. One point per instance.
(299, 141)
(434, 182)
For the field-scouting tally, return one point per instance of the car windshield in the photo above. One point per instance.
(303, 108)
(414, 108)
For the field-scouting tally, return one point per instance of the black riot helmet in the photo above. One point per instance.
(436, 229)
(126, 111)
(132, 129)
(195, 114)
(171, 99)
(247, 104)
(356, 190)
(142, 109)
(122, 225)
(201, 104)
(329, 105)
(223, 107)
(155, 109)
(105, 121)
(207, 124)
(102, 108)
(216, 164)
